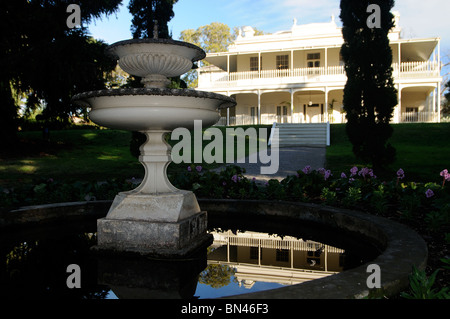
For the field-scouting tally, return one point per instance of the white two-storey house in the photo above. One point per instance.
(297, 76)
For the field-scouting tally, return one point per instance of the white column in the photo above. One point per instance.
(439, 101)
(259, 64)
(326, 106)
(398, 118)
(259, 107)
(292, 60)
(292, 106)
(228, 113)
(433, 108)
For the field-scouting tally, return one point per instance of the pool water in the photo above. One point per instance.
(246, 256)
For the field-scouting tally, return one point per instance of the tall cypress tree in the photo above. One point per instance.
(146, 12)
(369, 95)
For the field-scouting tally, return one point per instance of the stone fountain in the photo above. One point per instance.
(155, 218)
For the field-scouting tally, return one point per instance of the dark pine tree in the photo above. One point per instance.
(42, 57)
(369, 95)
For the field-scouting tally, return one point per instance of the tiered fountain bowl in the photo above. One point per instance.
(155, 218)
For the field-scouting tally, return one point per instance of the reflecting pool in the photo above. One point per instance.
(246, 256)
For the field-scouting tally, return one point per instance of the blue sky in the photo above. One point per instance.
(419, 19)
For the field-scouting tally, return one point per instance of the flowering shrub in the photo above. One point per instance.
(355, 189)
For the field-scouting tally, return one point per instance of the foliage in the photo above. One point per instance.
(214, 37)
(369, 94)
(46, 61)
(356, 189)
(146, 12)
(216, 276)
(421, 286)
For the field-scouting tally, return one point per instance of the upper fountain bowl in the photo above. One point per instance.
(155, 60)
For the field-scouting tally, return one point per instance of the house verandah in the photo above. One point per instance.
(417, 103)
(298, 76)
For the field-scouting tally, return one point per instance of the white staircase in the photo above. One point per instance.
(308, 134)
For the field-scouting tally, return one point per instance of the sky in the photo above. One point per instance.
(419, 18)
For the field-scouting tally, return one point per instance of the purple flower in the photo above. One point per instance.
(354, 171)
(234, 178)
(429, 193)
(322, 171)
(327, 174)
(224, 183)
(189, 168)
(199, 169)
(365, 172)
(400, 174)
(343, 175)
(307, 170)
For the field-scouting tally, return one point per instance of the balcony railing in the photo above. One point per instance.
(335, 118)
(419, 117)
(307, 75)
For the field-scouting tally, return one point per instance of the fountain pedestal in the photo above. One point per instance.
(156, 218)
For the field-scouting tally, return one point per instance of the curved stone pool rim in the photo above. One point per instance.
(402, 248)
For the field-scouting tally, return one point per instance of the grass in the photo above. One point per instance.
(422, 151)
(72, 155)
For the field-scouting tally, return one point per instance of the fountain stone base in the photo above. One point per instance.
(165, 225)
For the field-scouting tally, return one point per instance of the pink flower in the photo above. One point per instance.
(429, 193)
(444, 173)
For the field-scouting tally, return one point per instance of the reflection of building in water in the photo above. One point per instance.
(270, 258)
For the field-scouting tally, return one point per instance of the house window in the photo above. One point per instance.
(282, 255)
(313, 60)
(282, 62)
(254, 66)
(412, 110)
(255, 253)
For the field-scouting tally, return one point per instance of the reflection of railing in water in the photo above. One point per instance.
(269, 258)
(274, 243)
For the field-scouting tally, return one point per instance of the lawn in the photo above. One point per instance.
(422, 150)
(94, 154)
(77, 154)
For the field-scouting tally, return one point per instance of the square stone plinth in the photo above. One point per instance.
(165, 239)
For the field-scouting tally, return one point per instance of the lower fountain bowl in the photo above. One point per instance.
(153, 109)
